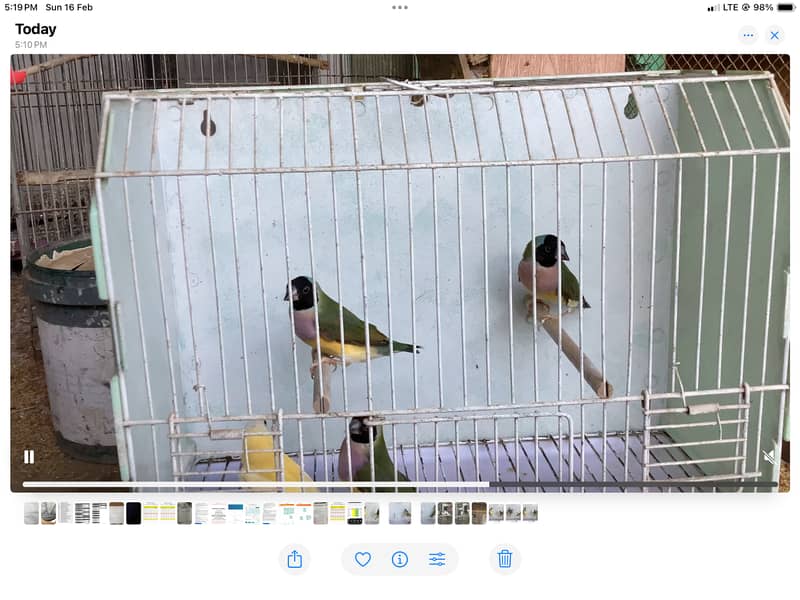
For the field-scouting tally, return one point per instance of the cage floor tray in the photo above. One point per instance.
(530, 461)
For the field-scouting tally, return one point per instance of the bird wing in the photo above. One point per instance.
(570, 288)
(257, 458)
(328, 311)
(293, 472)
(258, 466)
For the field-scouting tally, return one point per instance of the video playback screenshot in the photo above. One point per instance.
(397, 292)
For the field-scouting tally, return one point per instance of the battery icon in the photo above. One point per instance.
(786, 7)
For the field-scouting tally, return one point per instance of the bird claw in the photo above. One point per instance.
(542, 310)
(326, 360)
(529, 308)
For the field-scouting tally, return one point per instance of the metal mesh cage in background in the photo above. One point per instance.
(777, 64)
(55, 118)
(54, 129)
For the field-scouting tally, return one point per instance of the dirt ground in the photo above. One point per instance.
(31, 426)
(784, 482)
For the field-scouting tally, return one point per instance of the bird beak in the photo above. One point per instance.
(356, 427)
(564, 255)
(294, 294)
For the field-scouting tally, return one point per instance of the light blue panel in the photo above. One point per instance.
(137, 278)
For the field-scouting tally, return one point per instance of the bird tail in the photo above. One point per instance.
(586, 304)
(401, 347)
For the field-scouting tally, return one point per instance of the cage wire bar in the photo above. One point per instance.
(55, 116)
(364, 183)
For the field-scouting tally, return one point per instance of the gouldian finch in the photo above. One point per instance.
(360, 457)
(547, 260)
(260, 461)
(355, 349)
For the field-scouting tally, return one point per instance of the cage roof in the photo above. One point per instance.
(445, 124)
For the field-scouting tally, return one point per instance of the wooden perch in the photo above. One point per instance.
(295, 59)
(321, 400)
(53, 63)
(51, 177)
(552, 325)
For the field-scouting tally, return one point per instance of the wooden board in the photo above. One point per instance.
(534, 65)
(80, 259)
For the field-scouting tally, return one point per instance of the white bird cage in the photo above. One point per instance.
(669, 189)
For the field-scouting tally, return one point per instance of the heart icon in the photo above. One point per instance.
(362, 558)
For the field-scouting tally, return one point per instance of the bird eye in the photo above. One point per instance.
(306, 289)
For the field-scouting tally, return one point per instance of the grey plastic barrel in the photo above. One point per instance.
(78, 353)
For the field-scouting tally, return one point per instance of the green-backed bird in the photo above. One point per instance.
(547, 260)
(358, 432)
(330, 339)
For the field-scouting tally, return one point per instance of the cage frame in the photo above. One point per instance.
(482, 87)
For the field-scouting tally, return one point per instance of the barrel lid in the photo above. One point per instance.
(66, 282)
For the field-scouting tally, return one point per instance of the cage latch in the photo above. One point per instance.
(214, 434)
